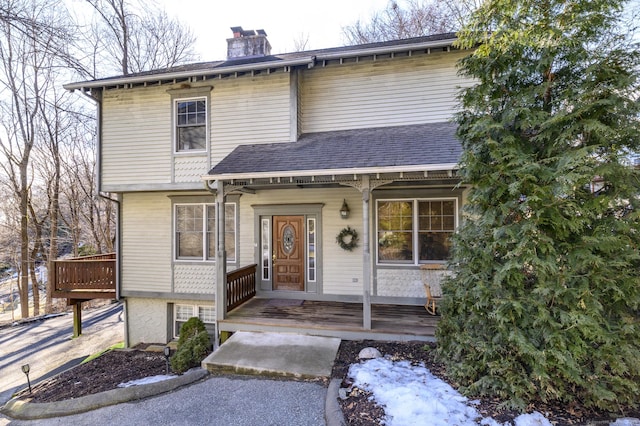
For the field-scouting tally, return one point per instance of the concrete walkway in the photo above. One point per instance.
(275, 354)
(246, 400)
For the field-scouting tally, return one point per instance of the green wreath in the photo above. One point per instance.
(353, 241)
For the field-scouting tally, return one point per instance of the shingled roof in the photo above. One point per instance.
(307, 58)
(429, 145)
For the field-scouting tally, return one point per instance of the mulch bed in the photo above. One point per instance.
(100, 374)
(359, 410)
(120, 366)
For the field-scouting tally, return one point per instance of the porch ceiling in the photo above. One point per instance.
(416, 152)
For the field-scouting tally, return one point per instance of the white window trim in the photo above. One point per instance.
(414, 230)
(310, 268)
(174, 113)
(195, 311)
(204, 228)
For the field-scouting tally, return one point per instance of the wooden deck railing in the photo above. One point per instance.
(241, 286)
(90, 277)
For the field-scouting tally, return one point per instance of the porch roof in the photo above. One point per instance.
(423, 147)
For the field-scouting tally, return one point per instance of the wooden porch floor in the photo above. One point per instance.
(334, 319)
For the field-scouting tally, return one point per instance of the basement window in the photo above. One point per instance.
(182, 313)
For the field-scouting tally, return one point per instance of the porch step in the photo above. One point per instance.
(274, 354)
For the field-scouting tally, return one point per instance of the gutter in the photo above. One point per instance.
(309, 61)
(329, 172)
(387, 49)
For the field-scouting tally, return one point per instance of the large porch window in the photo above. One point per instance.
(195, 228)
(416, 230)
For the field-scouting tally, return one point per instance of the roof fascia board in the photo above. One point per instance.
(329, 172)
(309, 61)
(185, 74)
(385, 49)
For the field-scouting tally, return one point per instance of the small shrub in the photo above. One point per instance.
(193, 345)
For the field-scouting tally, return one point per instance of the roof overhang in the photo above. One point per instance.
(291, 175)
(284, 61)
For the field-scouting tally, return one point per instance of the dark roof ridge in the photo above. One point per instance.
(310, 55)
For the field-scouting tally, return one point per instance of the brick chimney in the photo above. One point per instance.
(247, 44)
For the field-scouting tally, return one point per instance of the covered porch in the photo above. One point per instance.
(331, 319)
(345, 320)
(289, 186)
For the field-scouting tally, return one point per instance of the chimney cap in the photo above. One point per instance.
(239, 32)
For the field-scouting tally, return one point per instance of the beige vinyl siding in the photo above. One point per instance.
(249, 111)
(404, 91)
(340, 268)
(146, 242)
(136, 137)
(246, 241)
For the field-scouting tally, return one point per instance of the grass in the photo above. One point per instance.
(97, 354)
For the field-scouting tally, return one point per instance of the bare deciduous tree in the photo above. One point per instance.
(47, 182)
(412, 18)
(301, 42)
(30, 58)
(22, 62)
(140, 37)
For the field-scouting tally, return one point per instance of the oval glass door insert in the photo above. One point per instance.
(288, 239)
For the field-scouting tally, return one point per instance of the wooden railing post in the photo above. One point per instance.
(77, 317)
(241, 286)
(81, 279)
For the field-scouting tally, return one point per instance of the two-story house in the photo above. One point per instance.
(245, 178)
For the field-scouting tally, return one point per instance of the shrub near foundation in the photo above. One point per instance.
(193, 346)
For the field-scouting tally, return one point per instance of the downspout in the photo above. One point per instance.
(97, 98)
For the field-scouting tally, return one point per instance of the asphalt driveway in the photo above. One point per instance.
(218, 400)
(47, 345)
(234, 400)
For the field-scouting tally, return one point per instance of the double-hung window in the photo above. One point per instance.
(191, 124)
(195, 231)
(415, 231)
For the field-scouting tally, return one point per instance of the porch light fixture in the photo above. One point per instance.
(344, 210)
(167, 352)
(25, 370)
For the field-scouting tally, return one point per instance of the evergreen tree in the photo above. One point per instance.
(545, 300)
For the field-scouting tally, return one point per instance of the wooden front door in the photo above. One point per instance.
(288, 253)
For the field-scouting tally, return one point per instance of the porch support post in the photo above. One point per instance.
(77, 317)
(366, 256)
(221, 257)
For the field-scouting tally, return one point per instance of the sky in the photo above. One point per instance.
(283, 20)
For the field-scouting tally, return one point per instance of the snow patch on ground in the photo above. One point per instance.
(411, 395)
(146, 381)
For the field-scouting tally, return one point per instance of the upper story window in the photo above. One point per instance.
(415, 231)
(195, 231)
(191, 124)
